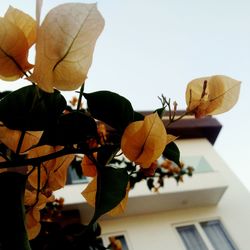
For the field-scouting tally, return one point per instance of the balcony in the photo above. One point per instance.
(205, 188)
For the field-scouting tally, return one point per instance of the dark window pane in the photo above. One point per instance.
(217, 235)
(191, 238)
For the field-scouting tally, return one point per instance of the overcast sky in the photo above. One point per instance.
(154, 47)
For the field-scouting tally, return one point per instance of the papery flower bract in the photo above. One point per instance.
(14, 49)
(24, 22)
(53, 172)
(171, 138)
(33, 213)
(102, 132)
(65, 45)
(211, 95)
(144, 141)
(33, 225)
(58, 175)
(88, 167)
(45, 167)
(11, 138)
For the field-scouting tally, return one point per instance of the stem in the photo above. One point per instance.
(20, 162)
(20, 142)
(37, 160)
(179, 118)
(38, 184)
(80, 97)
(169, 109)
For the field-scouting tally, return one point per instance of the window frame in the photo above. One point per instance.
(106, 242)
(202, 233)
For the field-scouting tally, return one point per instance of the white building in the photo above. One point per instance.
(210, 210)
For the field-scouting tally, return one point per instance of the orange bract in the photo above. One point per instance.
(33, 214)
(11, 137)
(65, 45)
(58, 175)
(45, 168)
(53, 172)
(88, 167)
(13, 51)
(24, 22)
(212, 95)
(144, 141)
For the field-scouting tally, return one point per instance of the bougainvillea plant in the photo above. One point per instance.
(40, 137)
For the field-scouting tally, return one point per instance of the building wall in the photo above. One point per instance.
(157, 231)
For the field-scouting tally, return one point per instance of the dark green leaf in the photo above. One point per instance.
(30, 108)
(106, 153)
(71, 128)
(172, 153)
(111, 189)
(160, 111)
(138, 116)
(4, 93)
(111, 108)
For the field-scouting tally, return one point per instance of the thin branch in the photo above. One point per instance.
(80, 97)
(20, 142)
(20, 162)
(179, 117)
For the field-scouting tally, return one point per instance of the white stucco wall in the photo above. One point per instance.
(156, 231)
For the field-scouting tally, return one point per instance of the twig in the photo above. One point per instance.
(80, 97)
(20, 162)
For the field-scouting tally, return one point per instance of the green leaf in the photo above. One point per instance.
(71, 128)
(160, 111)
(30, 108)
(111, 108)
(111, 189)
(106, 153)
(138, 116)
(4, 93)
(172, 153)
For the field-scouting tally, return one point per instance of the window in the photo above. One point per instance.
(206, 235)
(198, 162)
(217, 235)
(74, 178)
(116, 240)
(191, 238)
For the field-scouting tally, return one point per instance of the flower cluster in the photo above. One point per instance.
(40, 137)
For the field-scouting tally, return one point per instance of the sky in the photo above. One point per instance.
(154, 47)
